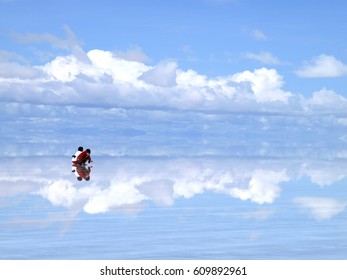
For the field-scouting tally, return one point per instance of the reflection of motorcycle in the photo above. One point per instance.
(82, 171)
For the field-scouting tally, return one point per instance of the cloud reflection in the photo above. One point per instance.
(321, 208)
(125, 184)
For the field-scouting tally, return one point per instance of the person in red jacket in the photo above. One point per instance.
(79, 151)
(83, 157)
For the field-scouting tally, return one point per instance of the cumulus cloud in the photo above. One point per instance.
(64, 193)
(100, 78)
(14, 70)
(324, 173)
(325, 100)
(117, 195)
(321, 208)
(105, 79)
(163, 75)
(65, 69)
(323, 66)
(266, 84)
(263, 186)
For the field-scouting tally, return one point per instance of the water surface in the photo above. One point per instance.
(174, 208)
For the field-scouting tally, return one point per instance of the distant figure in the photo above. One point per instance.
(83, 157)
(79, 151)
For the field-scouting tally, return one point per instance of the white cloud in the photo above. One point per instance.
(100, 78)
(192, 79)
(105, 79)
(324, 173)
(64, 69)
(324, 100)
(321, 208)
(263, 57)
(118, 195)
(121, 70)
(101, 63)
(266, 84)
(159, 191)
(63, 193)
(323, 66)
(163, 75)
(194, 179)
(263, 186)
(18, 71)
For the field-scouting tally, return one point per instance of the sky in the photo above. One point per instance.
(292, 47)
(153, 77)
(239, 103)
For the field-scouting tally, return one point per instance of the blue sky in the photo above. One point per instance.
(158, 77)
(212, 37)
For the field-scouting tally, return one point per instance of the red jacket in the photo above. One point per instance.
(83, 157)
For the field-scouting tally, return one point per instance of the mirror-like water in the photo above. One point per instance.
(172, 184)
(173, 208)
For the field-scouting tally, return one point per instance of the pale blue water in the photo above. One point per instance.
(171, 184)
(174, 208)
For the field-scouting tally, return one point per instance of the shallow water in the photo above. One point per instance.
(174, 208)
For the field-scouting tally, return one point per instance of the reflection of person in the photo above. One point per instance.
(79, 151)
(82, 172)
(83, 157)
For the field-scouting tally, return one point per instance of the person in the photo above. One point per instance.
(79, 151)
(83, 157)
